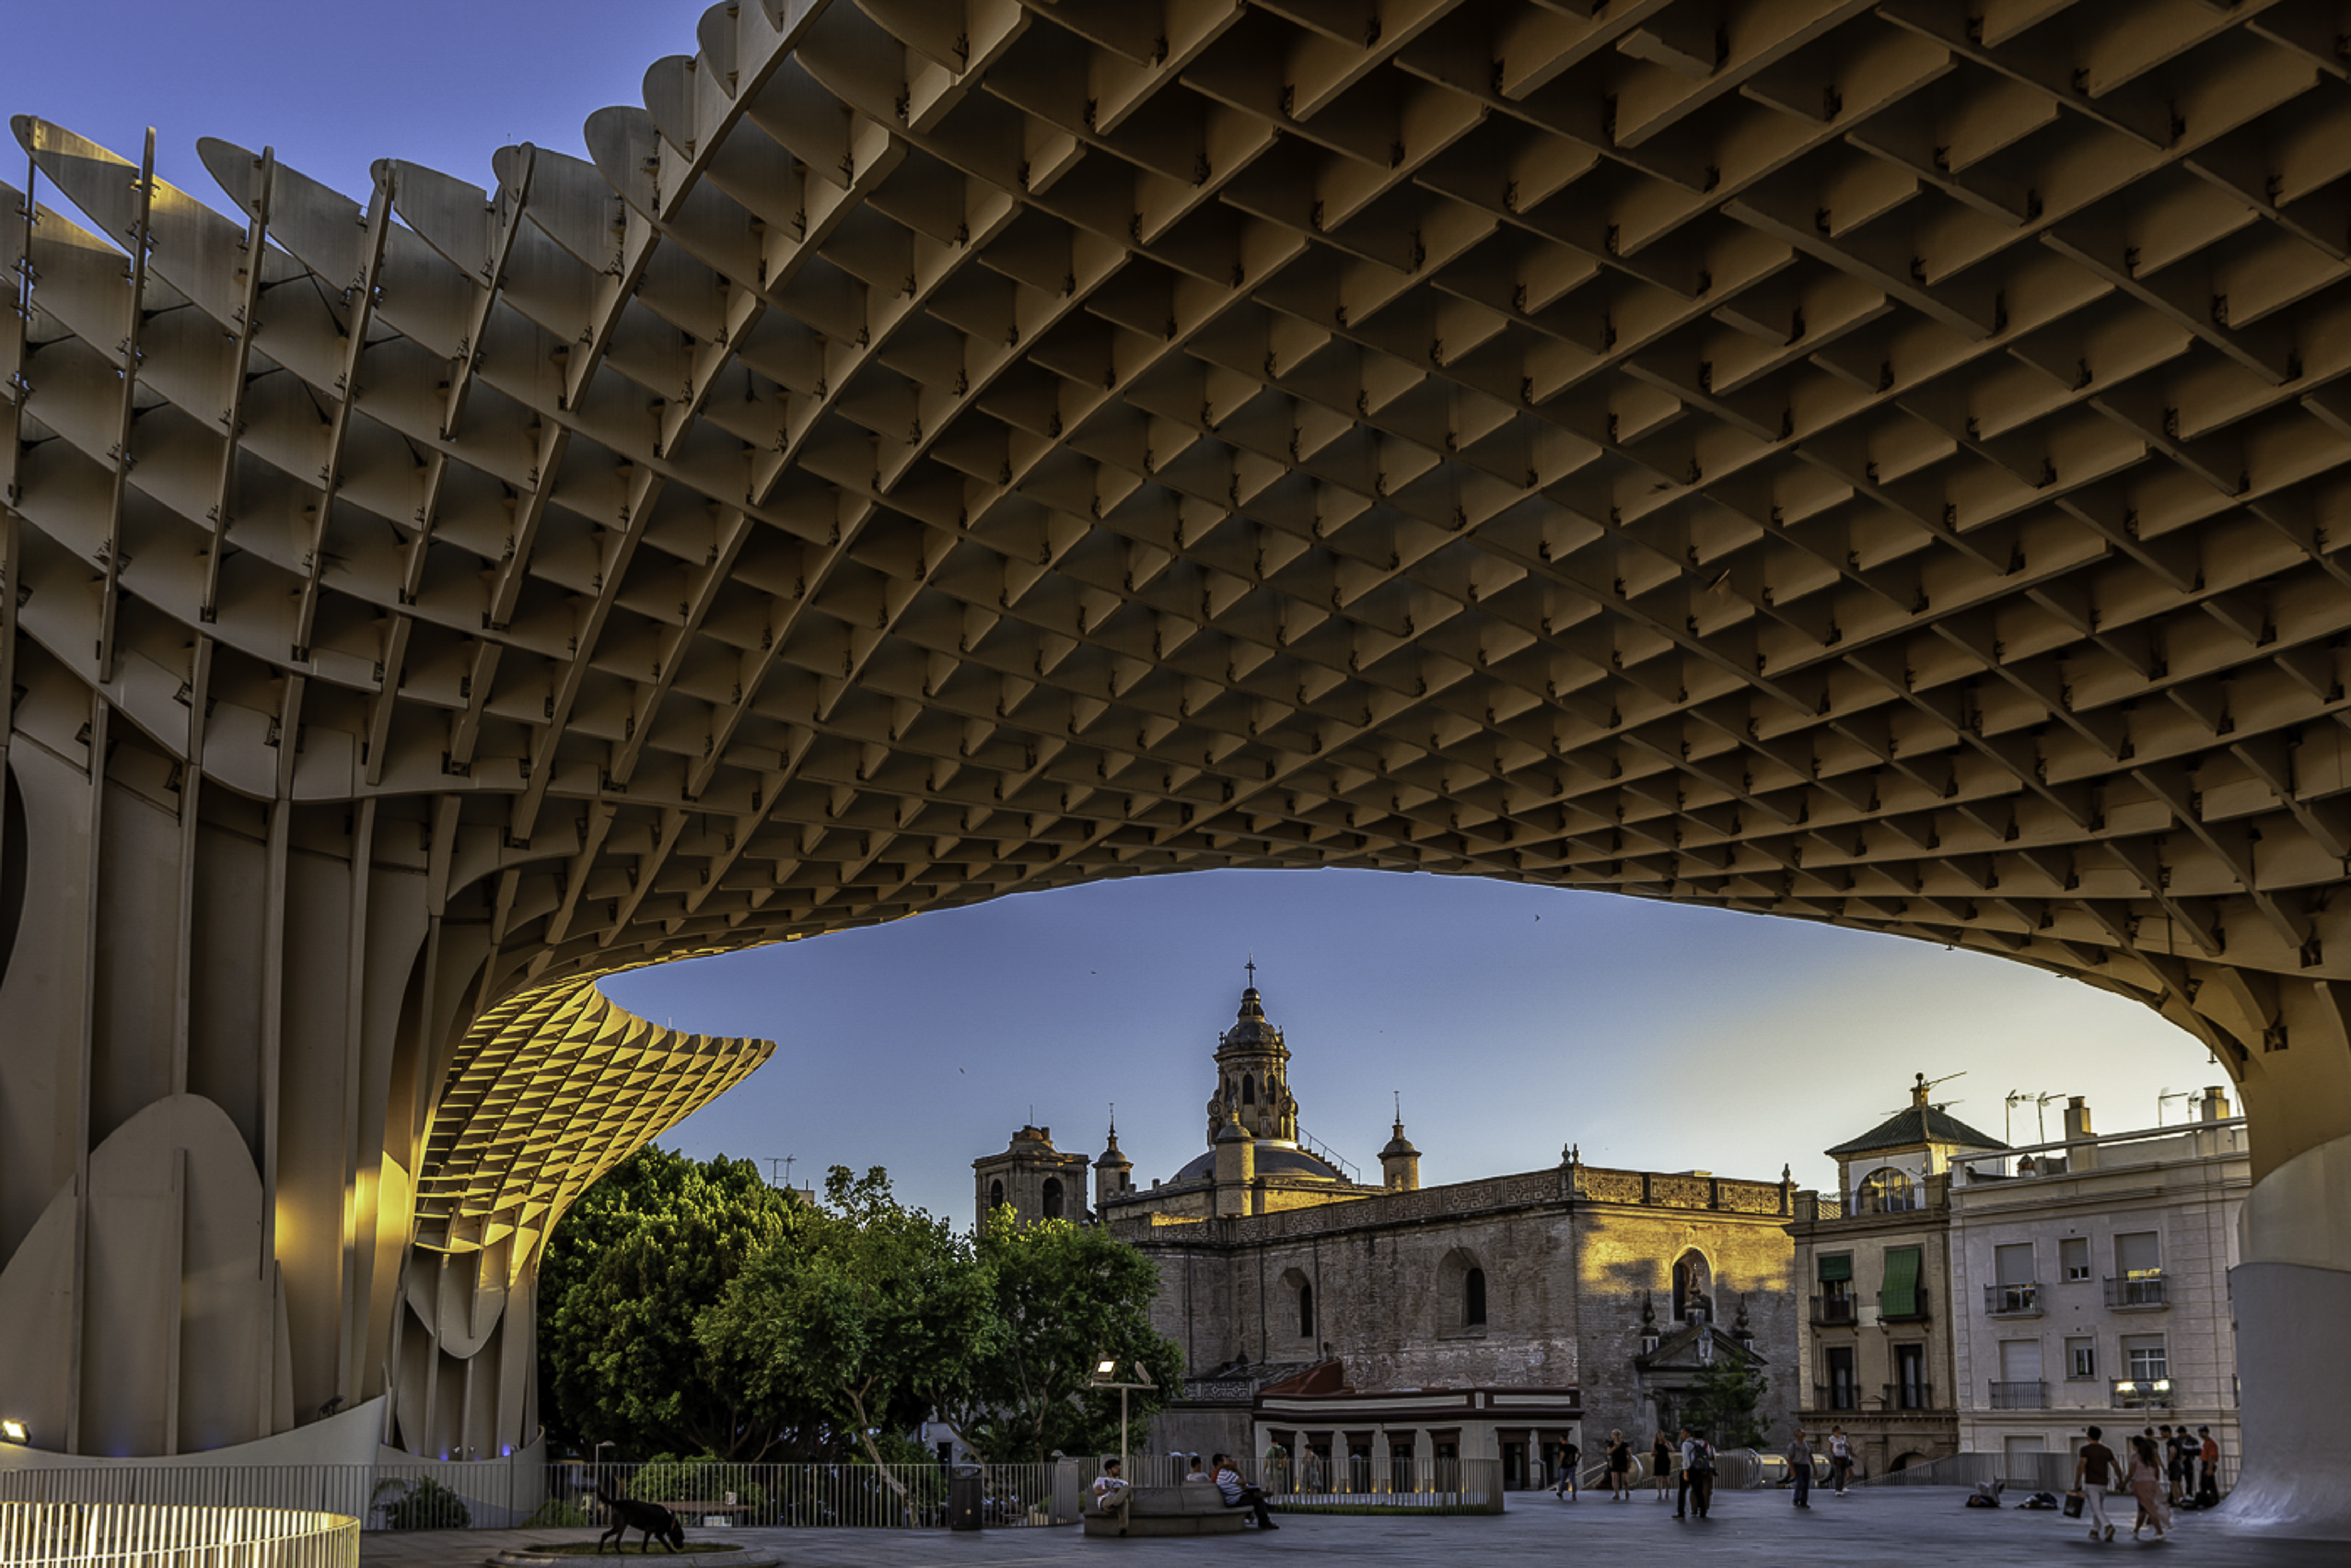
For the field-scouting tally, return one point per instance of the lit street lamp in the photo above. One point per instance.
(1105, 1374)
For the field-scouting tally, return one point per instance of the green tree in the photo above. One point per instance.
(1724, 1398)
(631, 1271)
(1064, 1294)
(868, 1310)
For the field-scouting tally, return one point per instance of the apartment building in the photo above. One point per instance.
(1875, 1342)
(2089, 1283)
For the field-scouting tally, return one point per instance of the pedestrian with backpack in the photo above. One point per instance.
(1697, 1467)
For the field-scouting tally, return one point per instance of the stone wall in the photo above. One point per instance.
(1563, 1282)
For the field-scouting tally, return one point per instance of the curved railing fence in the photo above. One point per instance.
(159, 1535)
(495, 1495)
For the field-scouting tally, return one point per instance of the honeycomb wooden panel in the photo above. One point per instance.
(1873, 464)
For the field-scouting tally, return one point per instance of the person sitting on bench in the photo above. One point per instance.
(1196, 1473)
(1238, 1493)
(1110, 1488)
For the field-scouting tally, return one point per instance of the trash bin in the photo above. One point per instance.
(965, 1489)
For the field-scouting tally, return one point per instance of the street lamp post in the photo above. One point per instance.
(1106, 1374)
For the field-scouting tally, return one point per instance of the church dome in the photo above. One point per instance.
(1273, 1159)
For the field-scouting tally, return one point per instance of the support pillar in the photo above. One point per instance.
(2291, 1294)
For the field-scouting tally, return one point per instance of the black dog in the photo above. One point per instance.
(630, 1514)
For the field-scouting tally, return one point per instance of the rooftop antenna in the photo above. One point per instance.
(2040, 1103)
(2163, 1096)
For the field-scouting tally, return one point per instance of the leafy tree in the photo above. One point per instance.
(1724, 1398)
(628, 1273)
(868, 1311)
(1064, 1294)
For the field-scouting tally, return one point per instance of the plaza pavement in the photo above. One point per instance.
(1913, 1526)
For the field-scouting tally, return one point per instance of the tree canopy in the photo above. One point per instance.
(1063, 1295)
(626, 1279)
(688, 1308)
(870, 1311)
(1724, 1398)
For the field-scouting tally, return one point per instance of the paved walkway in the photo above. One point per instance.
(1917, 1527)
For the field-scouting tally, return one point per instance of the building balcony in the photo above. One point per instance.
(1844, 1396)
(1909, 1396)
(2142, 1393)
(2019, 1397)
(1833, 1311)
(2013, 1301)
(2136, 1293)
(1918, 1308)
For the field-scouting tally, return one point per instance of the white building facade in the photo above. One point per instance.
(2090, 1286)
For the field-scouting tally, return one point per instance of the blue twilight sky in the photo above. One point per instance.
(1513, 1019)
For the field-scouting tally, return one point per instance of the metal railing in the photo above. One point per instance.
(2013, 1301)
(1347, 1482)
(105, 1535)
(491, 1495)
(1909, 1396)
(1831, 1310)
(2020, 1395)
(1836, 1397)
(2137, 1290)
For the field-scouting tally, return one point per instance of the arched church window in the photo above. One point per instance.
(1473, 1297)
(1248, 1090)
(1693, 1289)
(1887, 1191)
(1052, 1198)
(1306, 1311)
(995, 1195)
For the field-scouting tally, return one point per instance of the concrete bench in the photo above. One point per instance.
(1193, 1507)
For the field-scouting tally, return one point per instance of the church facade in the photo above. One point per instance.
(1492, 1318)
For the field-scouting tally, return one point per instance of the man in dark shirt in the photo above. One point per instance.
(2184, 1452)
(2095, 1469)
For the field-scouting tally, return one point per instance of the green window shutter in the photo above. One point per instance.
(1837, 1268)
(1900, 1299)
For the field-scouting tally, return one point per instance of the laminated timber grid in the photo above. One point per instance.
(1871, 462)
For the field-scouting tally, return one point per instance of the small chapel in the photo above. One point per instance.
(1354, 1323)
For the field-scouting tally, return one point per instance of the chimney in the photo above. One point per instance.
(2077, 1131)
(2216, 1104)
(2077, 1119)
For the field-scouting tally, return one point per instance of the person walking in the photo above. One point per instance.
(2095, 1471)
(1682, 1478)
(1620, 1468)
(2146, 1482)
(1569, 1455)
(1700, 1454)
(1661, 1462)
(1800, 1463)
(2207, 1483)
(1840, 1458)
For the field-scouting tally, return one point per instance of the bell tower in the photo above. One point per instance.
(1253, 1074)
